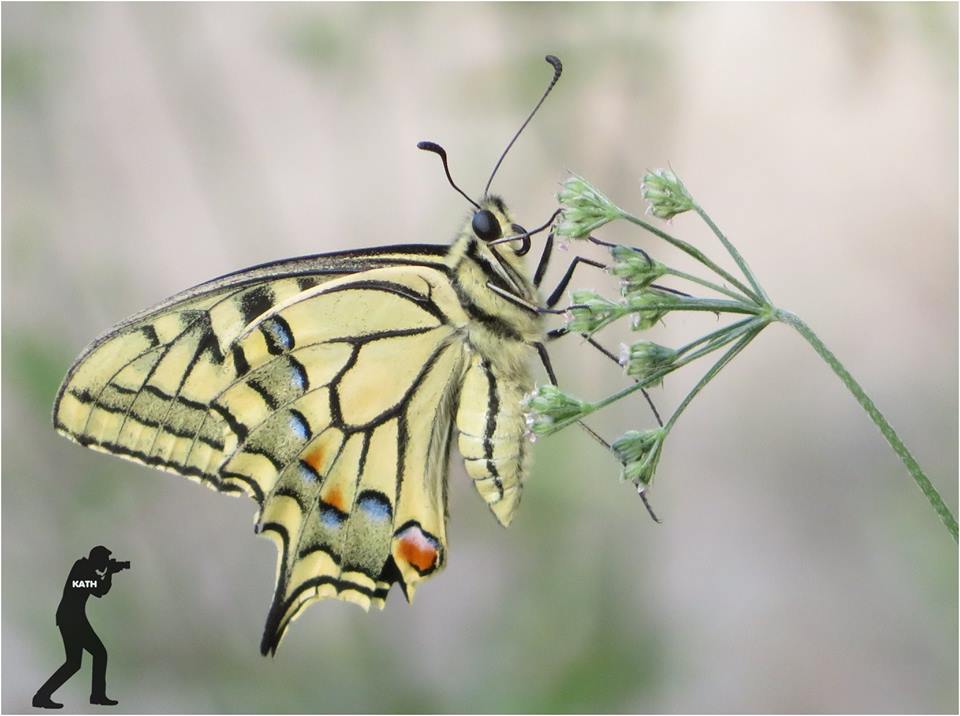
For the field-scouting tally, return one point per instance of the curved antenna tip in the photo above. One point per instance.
(441, 152)
(557, 70)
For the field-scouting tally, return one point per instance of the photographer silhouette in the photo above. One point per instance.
(90, 575)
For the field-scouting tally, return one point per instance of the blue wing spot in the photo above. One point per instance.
(277, 334)
(307, 472)
(299, 425)
(330, 516)
(298, 376)
(375, 505)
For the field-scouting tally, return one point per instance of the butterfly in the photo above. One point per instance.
(329, 389)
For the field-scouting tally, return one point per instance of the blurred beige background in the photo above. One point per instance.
(150, 147)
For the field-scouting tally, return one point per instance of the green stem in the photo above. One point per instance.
(693, 251)
(731, 249)
(683, 303)
(706, 284)
(926, 487)
(716, 334)
(710, 374)
(733, 333)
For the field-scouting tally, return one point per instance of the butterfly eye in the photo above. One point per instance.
(486, 226)
(524, 243)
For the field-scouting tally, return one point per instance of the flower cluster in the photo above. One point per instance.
(589, 312)
(666, 193)
(548, 409)
(644, 359)
(585, 209)
(647, 308)
(635, 269)
(639, 453)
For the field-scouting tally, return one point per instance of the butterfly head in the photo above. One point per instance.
(491, 225)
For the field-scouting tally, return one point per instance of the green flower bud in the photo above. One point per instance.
(645, 358)
(666, 193)
(585, 208)
(639, 452)
(635, 269)
(589, 312)
(641, 305)
(548, 408)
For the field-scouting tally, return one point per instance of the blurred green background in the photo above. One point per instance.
(149, 147)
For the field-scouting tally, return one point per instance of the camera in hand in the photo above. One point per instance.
(116, 565)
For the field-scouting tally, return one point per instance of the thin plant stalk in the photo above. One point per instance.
(926, 487)
(731, 249)
(706, 284)
(696, 253)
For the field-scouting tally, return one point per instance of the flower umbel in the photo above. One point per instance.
(548, 409)
(666, 193)
(585, 208)
(589, 312)
(639, 452)
(645, 358)
(635, 268)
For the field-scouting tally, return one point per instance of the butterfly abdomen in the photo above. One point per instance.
(492, 436)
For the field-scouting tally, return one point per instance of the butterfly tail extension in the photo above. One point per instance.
(492, 436)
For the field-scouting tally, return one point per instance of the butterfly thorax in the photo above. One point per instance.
(485, 279)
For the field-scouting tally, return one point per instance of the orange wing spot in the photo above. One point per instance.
(316, 458)
(418, 549)
(335, 497)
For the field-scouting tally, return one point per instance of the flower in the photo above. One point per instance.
(639, 452)
(666, 193)
(635, 268)
(589, 312)
(646, 358)
(585, 208)
(548, 409)
(648, 307)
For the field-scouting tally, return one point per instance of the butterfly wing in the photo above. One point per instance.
(327, 399)
(141, 390)
(349, 456)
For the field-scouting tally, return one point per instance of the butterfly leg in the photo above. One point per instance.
(561, 332)
(548, 367)
(562, 286)
(545, 261)
(545, 359)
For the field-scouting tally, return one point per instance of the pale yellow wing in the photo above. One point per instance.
(332, 408)
(350, 460)
(142, 390)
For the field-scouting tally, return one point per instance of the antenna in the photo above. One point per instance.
(441, 152)
(557, 70)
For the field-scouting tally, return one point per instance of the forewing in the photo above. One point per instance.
(142, 390)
